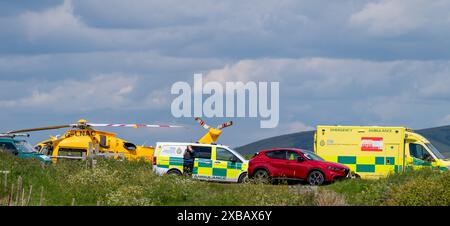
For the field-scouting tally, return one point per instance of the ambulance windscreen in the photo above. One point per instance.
(435, 151)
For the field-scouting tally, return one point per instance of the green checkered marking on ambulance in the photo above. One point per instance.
(173, 161)
(176, 161)
(234, 165)
(205, 163)
(379, 160)
(365, 168)
(390, 161)
(347, 159)
(369, 168)
(219, 172)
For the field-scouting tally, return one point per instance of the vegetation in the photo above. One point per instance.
(118, 183)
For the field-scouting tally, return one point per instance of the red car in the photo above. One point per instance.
(295, 164)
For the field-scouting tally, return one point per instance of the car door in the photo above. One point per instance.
(203, 169)
(278, 164)
(296, 169)
(226, 166)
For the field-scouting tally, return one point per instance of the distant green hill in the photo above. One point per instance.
(439, 136)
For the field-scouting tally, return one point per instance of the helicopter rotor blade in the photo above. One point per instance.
(40, 129)
(132, 125)
(202, 123)
(225, 125)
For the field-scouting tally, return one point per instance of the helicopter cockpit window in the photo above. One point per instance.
(130, 146)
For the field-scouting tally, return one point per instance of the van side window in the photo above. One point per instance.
(224, 155)
(418, 151)
(201, 152)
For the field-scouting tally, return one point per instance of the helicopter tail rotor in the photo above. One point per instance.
(202, 123)
(225, 125)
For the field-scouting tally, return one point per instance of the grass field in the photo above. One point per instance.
(116, 183)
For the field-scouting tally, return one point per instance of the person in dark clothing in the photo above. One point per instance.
(188, 160)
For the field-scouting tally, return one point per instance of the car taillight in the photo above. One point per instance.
(154, 160)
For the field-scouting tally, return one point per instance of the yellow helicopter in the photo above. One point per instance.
(82, 141)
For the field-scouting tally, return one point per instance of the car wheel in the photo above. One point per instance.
(243, 178)
(261, 176)
(174, 173)
(316, 178)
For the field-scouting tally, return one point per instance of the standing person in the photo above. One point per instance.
(188, 160)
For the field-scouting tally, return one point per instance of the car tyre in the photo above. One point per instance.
(316, 178)
(243, 178)
(261, 176)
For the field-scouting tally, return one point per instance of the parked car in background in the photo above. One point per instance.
(15, 144)
(295, 164)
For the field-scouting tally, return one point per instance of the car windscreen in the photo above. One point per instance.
(25, 147)
(312, 156)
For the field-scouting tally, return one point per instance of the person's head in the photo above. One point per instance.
(189, 148)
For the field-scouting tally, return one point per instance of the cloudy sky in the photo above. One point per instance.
(349, 62)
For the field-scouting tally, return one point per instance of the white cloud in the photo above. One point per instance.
(60, 18)
(99, 92)
(296, 127)
(397, 17)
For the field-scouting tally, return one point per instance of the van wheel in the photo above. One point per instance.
(316, 178)
(174, 173)
(261, 176)
(243, 178)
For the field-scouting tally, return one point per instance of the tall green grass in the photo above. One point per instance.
(122, 183)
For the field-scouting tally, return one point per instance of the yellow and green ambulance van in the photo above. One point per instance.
(374, 152)
(211, 162)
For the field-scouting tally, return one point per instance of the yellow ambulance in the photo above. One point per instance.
(211, 162)
(374, 152)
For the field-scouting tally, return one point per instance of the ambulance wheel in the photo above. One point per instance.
(174, 173)
(243, 178)
(261, 175)
(316, 178)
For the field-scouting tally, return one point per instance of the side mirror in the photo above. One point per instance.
(233, 159)
(15, 152)
(300, 159)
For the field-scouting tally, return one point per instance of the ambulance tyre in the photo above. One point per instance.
(174, 173)
(243, 178)
(316, 178)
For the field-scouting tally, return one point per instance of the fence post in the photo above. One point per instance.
(6, 179)
(41, 198)
(29, 195)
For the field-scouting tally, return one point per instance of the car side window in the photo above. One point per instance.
(292, 155)
(7, 146)
(276, 154)
(223, 154)
(201, 152)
